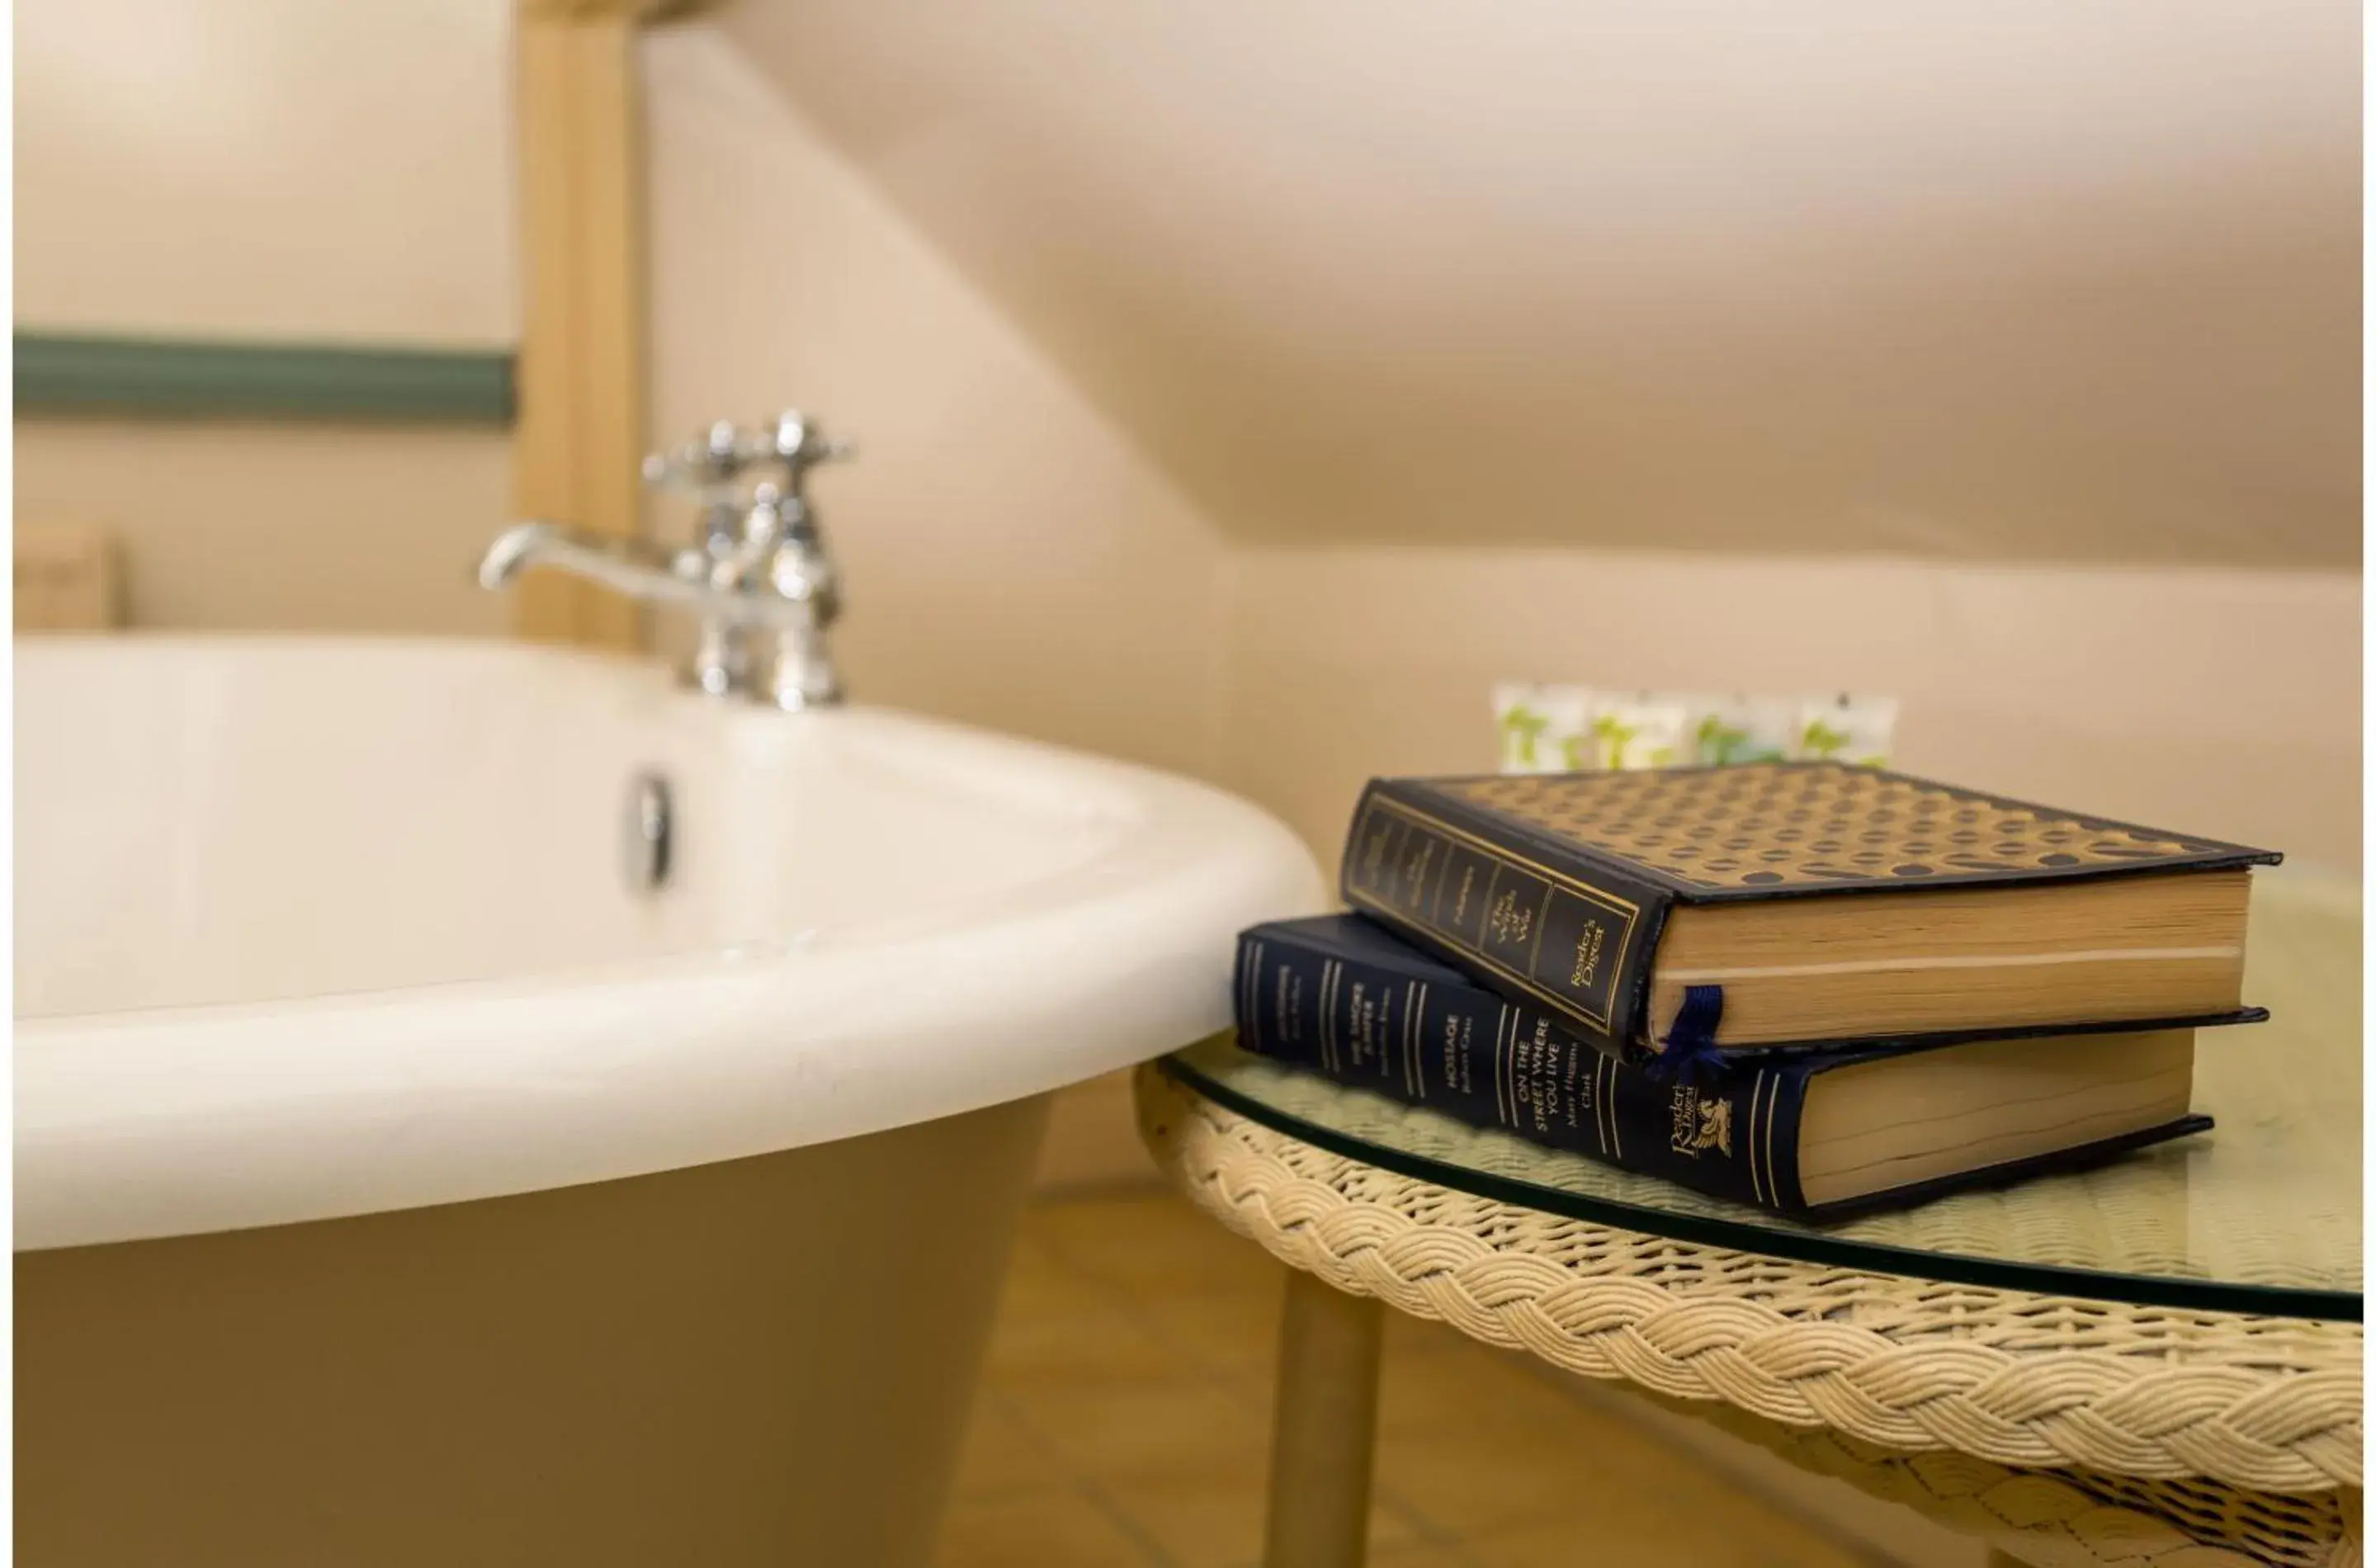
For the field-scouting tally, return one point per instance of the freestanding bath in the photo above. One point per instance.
(477, 1104)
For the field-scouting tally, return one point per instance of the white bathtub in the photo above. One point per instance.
(374, 1131)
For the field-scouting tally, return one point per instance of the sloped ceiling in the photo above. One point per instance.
(2006, 278)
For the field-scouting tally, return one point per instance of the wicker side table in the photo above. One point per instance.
(2062, 1429)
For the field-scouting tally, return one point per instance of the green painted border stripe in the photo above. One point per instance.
(58, 372)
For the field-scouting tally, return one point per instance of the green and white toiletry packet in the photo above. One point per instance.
(1543, 729)
(1549, 727)
(1726, 730)
(1859, 731)
(1642, 731)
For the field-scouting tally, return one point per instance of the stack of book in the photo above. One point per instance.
(1807, 986)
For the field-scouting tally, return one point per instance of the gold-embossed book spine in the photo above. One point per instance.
(1527, 915)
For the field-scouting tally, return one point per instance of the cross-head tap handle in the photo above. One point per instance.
(722, 454)
(709, 463)
(798, 443)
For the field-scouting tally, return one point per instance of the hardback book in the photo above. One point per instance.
(1779, 903)
(1812, 1134)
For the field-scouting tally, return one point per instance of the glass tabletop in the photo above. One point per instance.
(2260, 1214)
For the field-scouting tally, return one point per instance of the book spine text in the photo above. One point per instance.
(1568, 934)
(1494, 1064)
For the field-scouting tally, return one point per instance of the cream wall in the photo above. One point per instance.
(234, 527)
(2217, 700)
(1011, 558)
(274, 169)
(1981, 279)
(2008, 362)
(270, 170)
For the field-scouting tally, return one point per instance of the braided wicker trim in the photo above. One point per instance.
(2014, 1379)
(2076, 1518)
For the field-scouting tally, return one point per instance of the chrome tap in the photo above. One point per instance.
(794, 564)
(722, 655)
(759, 576)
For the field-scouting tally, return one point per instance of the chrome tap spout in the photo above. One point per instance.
(682, 578)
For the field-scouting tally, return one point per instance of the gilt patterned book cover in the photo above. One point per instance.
(1563, 888)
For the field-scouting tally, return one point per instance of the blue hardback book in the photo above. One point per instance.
(1816, 1133)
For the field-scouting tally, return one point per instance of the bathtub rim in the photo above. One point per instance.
(168, 1121)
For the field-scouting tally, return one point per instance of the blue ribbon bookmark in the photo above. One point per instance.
(1689, 1049)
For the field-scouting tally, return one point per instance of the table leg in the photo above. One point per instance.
(1324, 1426)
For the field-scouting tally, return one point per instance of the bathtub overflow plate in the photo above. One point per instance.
(649, 827)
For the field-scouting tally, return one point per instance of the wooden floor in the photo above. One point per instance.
(1123, 1422)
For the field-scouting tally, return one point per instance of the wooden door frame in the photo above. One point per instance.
(580, 435)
